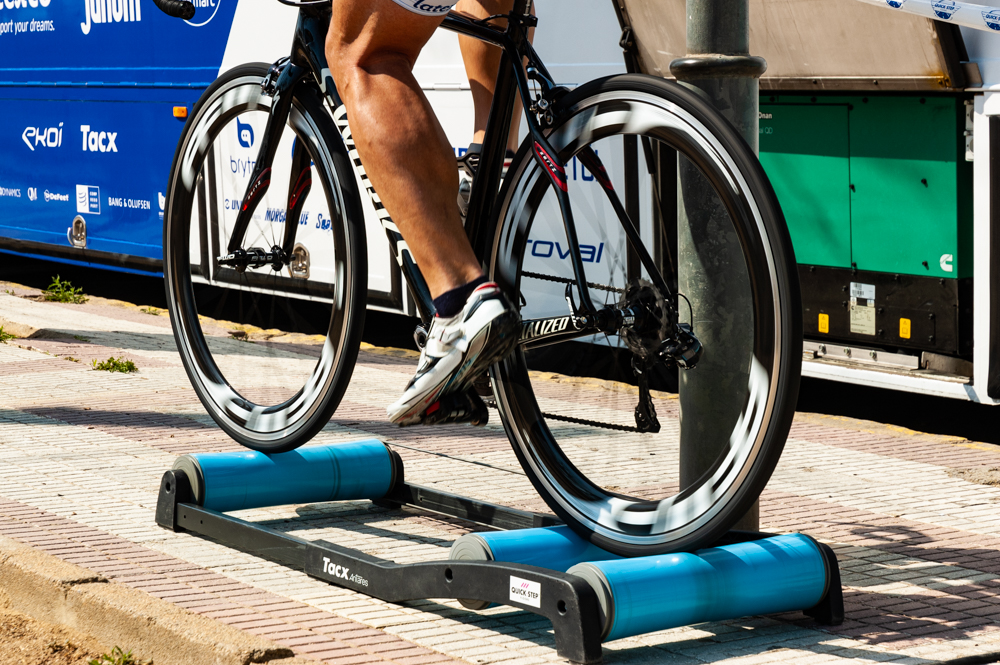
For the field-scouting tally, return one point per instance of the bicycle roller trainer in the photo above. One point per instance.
(536, 564)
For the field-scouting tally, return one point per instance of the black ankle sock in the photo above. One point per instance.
(451, 302)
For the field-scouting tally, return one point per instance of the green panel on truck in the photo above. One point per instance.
(905, 170)
(908, 188)
(804, 149)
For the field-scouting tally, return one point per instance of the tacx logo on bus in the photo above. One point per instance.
(98, 141)
(545, 249)
(109, 11)
(46, 137)
(244, 133)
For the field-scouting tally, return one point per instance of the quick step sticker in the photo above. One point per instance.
(526, 592)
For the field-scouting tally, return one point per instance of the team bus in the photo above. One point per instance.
(876, 129)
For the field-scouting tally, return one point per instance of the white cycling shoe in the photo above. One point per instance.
(459, 349)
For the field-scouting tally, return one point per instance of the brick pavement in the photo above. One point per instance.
(81, 453)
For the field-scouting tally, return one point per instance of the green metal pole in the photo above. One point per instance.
(711, 270)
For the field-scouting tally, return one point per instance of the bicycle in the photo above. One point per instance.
(307, 253)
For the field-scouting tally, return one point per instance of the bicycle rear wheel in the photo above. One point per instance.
(569, 405)
(269, 351)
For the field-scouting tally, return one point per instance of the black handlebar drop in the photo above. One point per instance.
(176, 8)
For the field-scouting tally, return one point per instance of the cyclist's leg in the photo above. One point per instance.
(481, 64)
(371, 48)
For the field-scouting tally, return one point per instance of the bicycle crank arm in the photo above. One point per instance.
(255, 257)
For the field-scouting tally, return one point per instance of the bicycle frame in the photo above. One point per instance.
(308, 57)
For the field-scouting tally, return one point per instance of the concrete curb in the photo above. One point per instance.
(50, 590)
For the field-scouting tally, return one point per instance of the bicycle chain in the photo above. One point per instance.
(593, 423)
(564, 280)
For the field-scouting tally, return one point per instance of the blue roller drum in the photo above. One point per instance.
(556, 548)
(647, 594)
(248, 479)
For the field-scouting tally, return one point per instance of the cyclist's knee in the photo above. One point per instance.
(350, 67)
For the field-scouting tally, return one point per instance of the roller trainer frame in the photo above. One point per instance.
(569, 602)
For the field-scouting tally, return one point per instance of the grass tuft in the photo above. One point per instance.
(116, 657)
(62, 291)
(115, 365)
(4, 336)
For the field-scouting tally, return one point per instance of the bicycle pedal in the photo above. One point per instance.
(463, 407)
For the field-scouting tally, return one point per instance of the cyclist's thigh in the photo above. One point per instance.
(363, 30)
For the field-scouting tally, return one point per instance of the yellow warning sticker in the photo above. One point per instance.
(824, 323)
(904, 328)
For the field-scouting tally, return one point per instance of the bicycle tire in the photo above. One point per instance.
(273, 395)
(552, 446)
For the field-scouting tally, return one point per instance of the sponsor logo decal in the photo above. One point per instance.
(134, 204)
(895, 4)
(54, 196)
(244, 133)
(242, 167)
(944, 10)
(546, 249)
(532, 329)
(88, 199)
(212, 5)
(45, 137)
(10, 192)
(20, 27)
(109, 11)
(98, 141)
(32, 193)
(338, 571)
(24, 4)
(422, 7)
(525, 592)
(992, 19)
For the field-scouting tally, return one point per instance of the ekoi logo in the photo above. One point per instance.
(109, 11)
(525, 592)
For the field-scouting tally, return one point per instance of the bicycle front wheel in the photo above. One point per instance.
(270, 349)
(569, 403)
